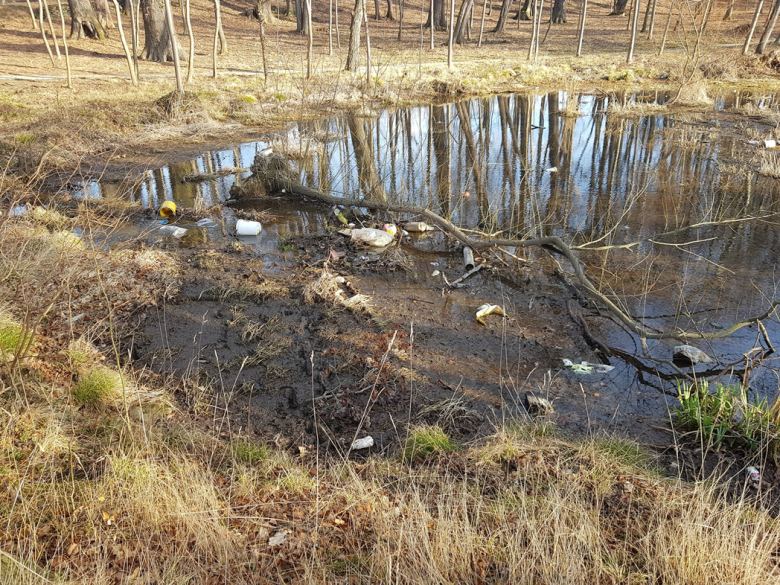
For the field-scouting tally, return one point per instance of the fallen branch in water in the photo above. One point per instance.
(273, 174)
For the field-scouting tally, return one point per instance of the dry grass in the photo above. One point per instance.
(326, 288)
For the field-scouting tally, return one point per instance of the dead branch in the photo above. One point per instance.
(276, 178)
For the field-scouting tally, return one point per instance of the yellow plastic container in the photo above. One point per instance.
(168, 209)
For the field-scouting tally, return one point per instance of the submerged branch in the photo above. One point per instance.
(274, 176)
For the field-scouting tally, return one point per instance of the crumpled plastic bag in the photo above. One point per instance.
(587, 368)
(488, 309)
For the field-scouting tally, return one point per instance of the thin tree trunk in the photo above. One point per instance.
(183, 17)
(376, 10)
(502, 16)
(533, 30)
(582, 26)
(174, 45)
(43, 31)
(262, 40)
(770, 25)
(368, 50)
(482, 23)
(338, 34)
(188, 26)
(630, 56)
(538, 27)
(65, 44)
(32, 15)
(133, 34)
(310, 43)
(471, 21)
(390, 15)
(223, 48)
(666, 30)
(330, 27)
(759, 7)
(51, 29)
(354, 36)
(452, 31)
(646, 19)
(218, 16)
(729, 11)
(124, 44)
(460, 24)
(400, 17)
(431, 21)
(652, 21)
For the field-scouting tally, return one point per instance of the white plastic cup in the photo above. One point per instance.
(248, 228)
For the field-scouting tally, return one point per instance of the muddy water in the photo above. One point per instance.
(585, 167)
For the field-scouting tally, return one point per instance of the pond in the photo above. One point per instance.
(619, 175)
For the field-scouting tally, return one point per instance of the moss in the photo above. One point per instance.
(10, 336)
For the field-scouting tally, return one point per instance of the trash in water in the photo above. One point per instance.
(372, 237)
(488, 309)
(468, 258)
(339, 279)
(552, 170)
(340, 216)
(466, 194)
(363, 443)
(435, 273)
(345, 232)
(390, 229)
(753, 474)
(691, 354)
(168, 209)
(769, 143)
(18, 210)
(537, 406)
(206, 223)
(267, 151)
(172, 230)
(248, 228)
(587, 368)
(418, 226)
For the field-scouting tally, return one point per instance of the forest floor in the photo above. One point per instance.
(132, 447)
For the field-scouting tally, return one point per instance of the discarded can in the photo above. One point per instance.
(168, 209)
(418, 226)
(363, 443)
(372, 237)
(468, 258)
(248, 228)
(390, 228)
(753, 474)
(488, 309)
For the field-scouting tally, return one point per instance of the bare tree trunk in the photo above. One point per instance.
(652, 21)
(390, 14)
(104, 14)
(32, 15)
(338, 34)
(729, 11)
(43, 31)
(533, 29)
(368, 50)
(354, 36)
(460, 25)
(770, 25)
(175, 45)
(83, 21)
(65, 44)
(619, 9)
(526, 11)
(452, 31)
(262, 40)
(582, 26)
(430, 19)
(134, 34)
(482, 23)
(129, 57)
(759, 7)
(400, 17)
(502, 16)
(438, 17)
(223, 48)
(310, 39)
(558, 15)
(51, 29)
(646, 19)
(218, 25)
(666, 30)
(377, 16)
(630, 56)
(538, 26)
(330, 27)
(188, 26)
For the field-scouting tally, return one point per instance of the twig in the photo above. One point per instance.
(474, 270)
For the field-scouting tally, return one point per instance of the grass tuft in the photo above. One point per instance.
(426, 441)
(98, 386)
